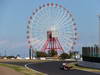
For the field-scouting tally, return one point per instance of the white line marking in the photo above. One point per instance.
(26, 66)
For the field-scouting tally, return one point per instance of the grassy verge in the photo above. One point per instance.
(23, 70)
(75, 66)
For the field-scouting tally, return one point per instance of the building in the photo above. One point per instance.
(91, 53)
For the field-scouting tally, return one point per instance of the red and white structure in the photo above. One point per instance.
(52, 43)
(51, 26)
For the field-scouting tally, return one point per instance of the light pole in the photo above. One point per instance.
(99, 33)
(5, 53)
(0, 53)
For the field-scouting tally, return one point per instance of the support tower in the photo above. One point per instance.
(52, 43)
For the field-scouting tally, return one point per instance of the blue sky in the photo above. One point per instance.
(14, 16)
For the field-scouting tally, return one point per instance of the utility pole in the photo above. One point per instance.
(29, 53)
(5, 52)
(99, 32)
(0, 52)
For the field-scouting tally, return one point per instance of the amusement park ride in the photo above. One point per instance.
(47, 20)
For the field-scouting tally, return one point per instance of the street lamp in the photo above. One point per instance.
(99, 33)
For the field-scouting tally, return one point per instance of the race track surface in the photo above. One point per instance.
(52, 68)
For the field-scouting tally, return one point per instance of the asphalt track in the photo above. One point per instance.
(51, 68)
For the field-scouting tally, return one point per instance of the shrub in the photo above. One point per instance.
(64, 56)
(41, 54)
(52, 53)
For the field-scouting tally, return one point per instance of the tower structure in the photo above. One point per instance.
(52, 42)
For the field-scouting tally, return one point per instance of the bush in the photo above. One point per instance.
(52, 53)
(41, 54)
(64, 56)
(10, 57)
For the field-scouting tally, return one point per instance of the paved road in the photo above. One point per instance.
(52, 68)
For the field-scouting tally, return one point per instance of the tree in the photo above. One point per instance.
(71, 54)
(52, 53)
(41, 54)
(64, 56)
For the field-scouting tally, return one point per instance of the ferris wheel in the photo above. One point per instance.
(53, 21)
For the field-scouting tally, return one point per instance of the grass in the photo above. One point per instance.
(75, 66)
(23, 70)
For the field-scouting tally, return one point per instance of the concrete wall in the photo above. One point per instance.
(89, 64)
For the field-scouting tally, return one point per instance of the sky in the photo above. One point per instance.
(14, 16)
